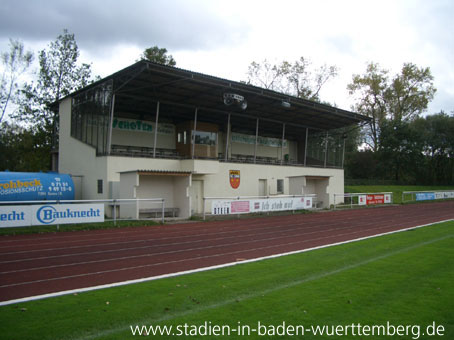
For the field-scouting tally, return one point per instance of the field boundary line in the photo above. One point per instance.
(192, 271)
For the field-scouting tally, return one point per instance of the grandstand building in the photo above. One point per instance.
(154, 131)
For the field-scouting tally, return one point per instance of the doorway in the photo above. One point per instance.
(262, 187)
(196, 197)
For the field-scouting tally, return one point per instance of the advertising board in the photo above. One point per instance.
(373, 199)
(50, 214)
(226, 207)
(35, 186)
(437, 195)
(425, 196)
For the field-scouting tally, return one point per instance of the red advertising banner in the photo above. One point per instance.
(375, 199)
(240, 207)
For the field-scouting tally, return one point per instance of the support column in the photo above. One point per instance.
(156, 130)
(109, 136)
(282, 143)
(326, 148)
(344, 137)
(193, 132)
(227, 139)
(256, 140)
(305, 146)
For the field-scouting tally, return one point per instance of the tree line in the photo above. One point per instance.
(398, 142)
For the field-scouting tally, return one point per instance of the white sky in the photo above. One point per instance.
(222, 37)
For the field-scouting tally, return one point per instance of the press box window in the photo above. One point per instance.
(204, 137)
(280, 186)
(99, 186)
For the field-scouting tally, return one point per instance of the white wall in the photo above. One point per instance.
(116, 164)
(320, 187)
(79, 159)
(181, 198)
(296, 185)
(155, 187)
(128, 188)
(218, 184)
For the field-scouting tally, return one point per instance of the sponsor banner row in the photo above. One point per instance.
(28, 215)
(374, 199)
(439, 195)
(226, 207)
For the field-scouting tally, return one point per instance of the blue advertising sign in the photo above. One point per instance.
(425, 196)
(35, 186)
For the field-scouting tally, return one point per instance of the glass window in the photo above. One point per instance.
(90, 116)
(99, 186)
(280, 186)
(205, 138)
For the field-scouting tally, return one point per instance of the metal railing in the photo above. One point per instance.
(413, 196)
(350, 200)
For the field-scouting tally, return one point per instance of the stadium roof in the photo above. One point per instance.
(140, 86)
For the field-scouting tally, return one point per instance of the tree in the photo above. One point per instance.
(158, 55)
(59, 75)
(401, 98)
(417, 151)
(296, 79)
(23, 149)
(15, 63)
(410, 92)
(370, 91)
(437, 133)
(401, 151)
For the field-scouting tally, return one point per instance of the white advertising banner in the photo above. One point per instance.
(226, 207)
(444, 195)
(362, 199)
(15, 216)
(388, 198)
(28, 215)
(67, 213)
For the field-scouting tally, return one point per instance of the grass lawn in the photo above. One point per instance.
(404, 279)
(395, 189)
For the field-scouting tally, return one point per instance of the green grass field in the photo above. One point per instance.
(395, 189)
(404, 279)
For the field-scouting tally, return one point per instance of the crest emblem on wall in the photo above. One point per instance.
(234, 176)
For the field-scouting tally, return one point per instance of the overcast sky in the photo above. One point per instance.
(222, 37)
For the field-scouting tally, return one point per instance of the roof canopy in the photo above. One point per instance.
(140, 86)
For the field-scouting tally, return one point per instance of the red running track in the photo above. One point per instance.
(39, 264)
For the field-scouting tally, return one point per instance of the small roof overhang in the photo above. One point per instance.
(158, 172)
